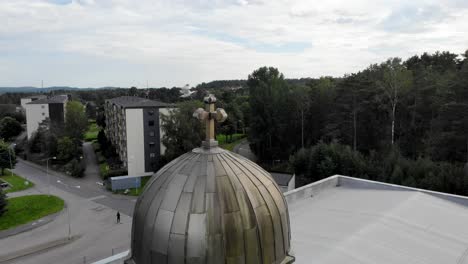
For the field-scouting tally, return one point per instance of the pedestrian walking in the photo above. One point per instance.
(118, 217)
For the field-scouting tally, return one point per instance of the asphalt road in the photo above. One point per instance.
(243, 149)
(85, 188)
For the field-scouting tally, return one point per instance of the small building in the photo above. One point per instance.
(133, 126)
(285, 181)
(39, 110)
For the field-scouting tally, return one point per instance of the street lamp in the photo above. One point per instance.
(47, 173)
(68, 210)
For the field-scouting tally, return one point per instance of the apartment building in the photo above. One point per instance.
(133, 125)
(38, 110)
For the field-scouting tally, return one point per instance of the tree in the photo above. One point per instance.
(395, 81)
(301, 94)
(269, 114)
(133, 91)
(66, 149)
(76, 122)
(9, 128)
(182, 132)
(101, 119)
(3, 203)
(7, 157)
(91, 110)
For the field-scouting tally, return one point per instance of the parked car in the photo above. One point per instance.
(4, 185)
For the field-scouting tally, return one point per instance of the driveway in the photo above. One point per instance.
(91, 174)
(243, 149)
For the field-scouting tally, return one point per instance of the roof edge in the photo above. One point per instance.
(315, 188)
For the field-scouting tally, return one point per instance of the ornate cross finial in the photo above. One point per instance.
(209, 115)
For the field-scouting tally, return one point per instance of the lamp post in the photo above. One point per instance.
(68, 210)
(47, 173)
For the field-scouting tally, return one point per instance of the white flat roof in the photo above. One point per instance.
(373, 223)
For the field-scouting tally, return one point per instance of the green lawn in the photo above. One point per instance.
(92, 132)
(24, 209)
(229, 145)
(16, 182)
(135, 191)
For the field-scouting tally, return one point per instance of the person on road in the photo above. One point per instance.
(118, 217)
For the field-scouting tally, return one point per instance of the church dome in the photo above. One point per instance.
(211, 206)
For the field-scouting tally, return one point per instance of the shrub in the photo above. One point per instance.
(75, 168)
(104, 170)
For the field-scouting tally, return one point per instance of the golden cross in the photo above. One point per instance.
(209, 115)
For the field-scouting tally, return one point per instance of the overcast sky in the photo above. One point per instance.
(94, 43)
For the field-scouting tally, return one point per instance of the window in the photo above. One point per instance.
(152, 155)
(151, 144)
(42, 106)
(151, 133)
(151, 123)
(150, 112)
(43, 114)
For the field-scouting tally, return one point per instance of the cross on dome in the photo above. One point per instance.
(209, 115)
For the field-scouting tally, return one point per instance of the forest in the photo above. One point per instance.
(404, 122)
(397, 121)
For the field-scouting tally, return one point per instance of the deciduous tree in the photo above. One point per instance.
(7, 157)
(76, 122)
(9, 128)
(182, 132)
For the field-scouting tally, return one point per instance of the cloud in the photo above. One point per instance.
(415, 18)
(172, 42)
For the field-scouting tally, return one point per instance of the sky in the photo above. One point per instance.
(123, 43)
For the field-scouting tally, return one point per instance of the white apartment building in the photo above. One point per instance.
(40, 109)
(133, 125)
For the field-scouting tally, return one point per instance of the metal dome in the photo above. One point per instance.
(211, 206)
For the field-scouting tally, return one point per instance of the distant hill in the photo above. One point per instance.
(232, 84)
(30, 89)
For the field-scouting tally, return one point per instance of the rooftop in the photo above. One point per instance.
(136, 102)
(347, 220)
(35, 96)
(57, 99)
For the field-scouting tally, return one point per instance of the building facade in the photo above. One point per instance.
(133, 126)
(52, 108)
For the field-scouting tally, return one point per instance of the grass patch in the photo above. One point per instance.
(16, 182)
(24, 209)
(226, 142)
(92, 132)
(135, 191)
(224, 139)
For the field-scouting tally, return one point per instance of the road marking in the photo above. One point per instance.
(97, 197)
